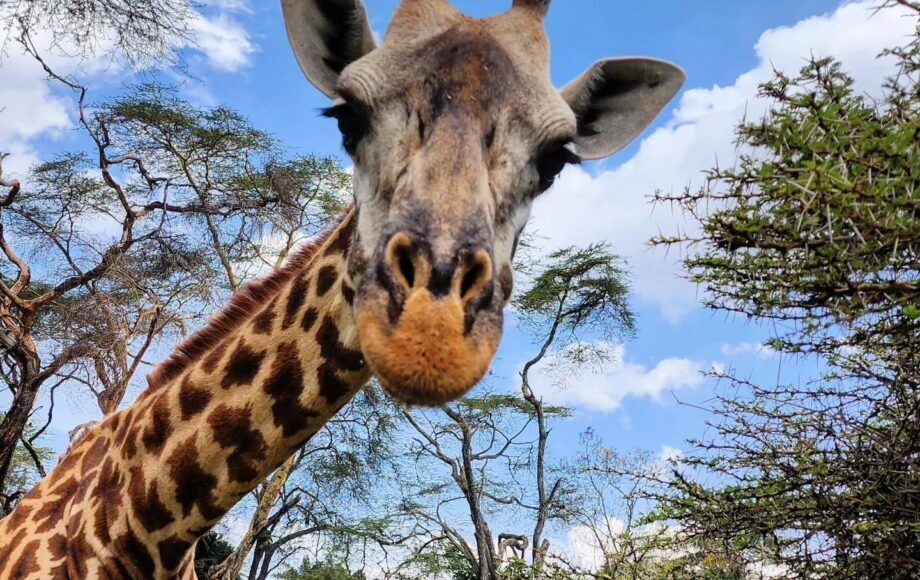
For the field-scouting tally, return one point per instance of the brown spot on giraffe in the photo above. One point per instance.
(216, 355)
(192, 400)
(172, 551)
(337, 358)
(326, 278)
(136, 558)
(96, 453)
(108, 492)
(157, 432)
(295, 300)
(146, 504)
(57, 547)
(232, 429)
(52, 510)
(242, 367)
(20, 515)
(70, 460)
(27, 564)
(331, 386)
(77, 549)
(348, 293)
(284, 386)
(262, 324)
(7, 551)
(341, 239)
(122, 431)
(194, 485)
(332, 349)
(309, 319)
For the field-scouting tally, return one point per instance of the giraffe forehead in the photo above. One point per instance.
(471, 61)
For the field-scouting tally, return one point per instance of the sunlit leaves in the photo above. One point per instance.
(579, 290)
(815, 230)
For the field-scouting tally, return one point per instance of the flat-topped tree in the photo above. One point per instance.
(454, 128)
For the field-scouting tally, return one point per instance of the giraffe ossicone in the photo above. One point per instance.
(454, 128)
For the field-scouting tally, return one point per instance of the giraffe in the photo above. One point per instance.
(454, 128)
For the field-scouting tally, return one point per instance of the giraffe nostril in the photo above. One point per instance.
(406, 267)
(400, 261)
(476, 277)
(470, 279)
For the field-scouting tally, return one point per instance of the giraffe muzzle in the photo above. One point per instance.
(429, 327)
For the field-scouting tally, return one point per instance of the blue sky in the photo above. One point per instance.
(725, 47)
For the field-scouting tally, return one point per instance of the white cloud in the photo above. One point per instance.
(229, 5)
(758, 349)
(224, 42)
(612, 205)
(588, 547)
(29, 108)
(767, 570)
(604, 388)
(220, 37)
(669, 454)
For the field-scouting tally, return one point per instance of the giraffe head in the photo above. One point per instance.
(454, 128)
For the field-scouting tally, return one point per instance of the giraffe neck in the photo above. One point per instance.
(219, 416)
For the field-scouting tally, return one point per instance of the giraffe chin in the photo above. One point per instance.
(425, 358)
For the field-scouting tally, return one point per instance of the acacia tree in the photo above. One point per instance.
(143, 31)
(118, 249)
(320, 571)
(609, 509)
(210, 550)
(616, 526)
(486, 456)
(816, 231)
(26, 465)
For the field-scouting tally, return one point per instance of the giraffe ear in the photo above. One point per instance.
(616, 99)
(327, 36)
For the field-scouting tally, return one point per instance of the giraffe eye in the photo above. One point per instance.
(551, 161)
(354, 122)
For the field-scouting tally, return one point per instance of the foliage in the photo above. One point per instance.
(815, 230)
(211, 550)
(320, 571)
(120, 248)
(578, 290)
(24, 472)
(609, 510)
(441, 559)
(145, 32)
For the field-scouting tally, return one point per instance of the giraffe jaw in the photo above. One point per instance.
(429, 356)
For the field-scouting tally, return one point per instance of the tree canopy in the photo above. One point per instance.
(815, 230)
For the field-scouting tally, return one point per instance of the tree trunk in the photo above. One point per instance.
(231, 567)
(17, 417)
(488, 567)
(539, 546)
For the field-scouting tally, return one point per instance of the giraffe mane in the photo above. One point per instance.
(242, 306)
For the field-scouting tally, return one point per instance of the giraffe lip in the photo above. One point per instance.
(427, 356)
